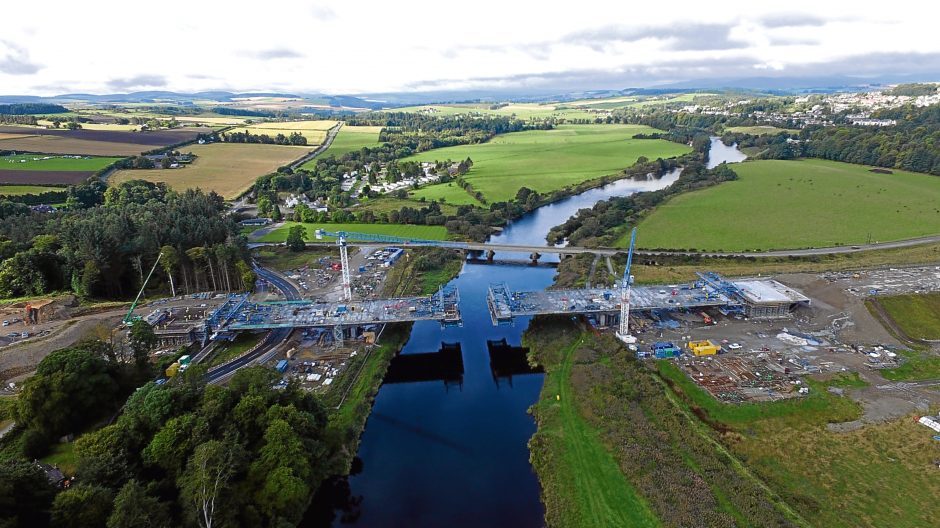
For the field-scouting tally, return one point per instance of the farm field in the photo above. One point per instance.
(760, 130)
(35, 162)
(99, 126)
(93, 142)
(226, 168)
(451, 193)
(546, 160)
(351, 138)
(319, 124)
(20, 190)
(780, 204)
(398, 230)
(918, 316)
(385, 204)
(314, 131)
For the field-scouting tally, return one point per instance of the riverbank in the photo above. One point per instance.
(609, 424)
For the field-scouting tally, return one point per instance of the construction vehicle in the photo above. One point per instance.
(130, 317)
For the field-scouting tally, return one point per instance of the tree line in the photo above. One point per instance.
(32, 108)
(295, 138)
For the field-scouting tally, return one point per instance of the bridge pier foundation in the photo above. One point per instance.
(490, 255)
(535, 256)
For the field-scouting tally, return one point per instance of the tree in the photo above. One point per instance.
(135, 508)
(71, 387)
(25, 494)
(82, 506)
(295, 238)
(169, 261)
(205, 482)
(142, 341)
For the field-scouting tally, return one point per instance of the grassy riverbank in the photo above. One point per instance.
(615, 448)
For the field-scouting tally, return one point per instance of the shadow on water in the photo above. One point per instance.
(445, 365)
(507, 361)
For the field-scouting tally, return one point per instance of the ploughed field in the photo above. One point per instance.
(778, 204)
(226, 168)
(92, 142)
(544, 160)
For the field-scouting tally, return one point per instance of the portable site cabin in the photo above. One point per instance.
(665, 349)
(703, 348)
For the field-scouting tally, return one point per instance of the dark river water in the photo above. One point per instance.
(446, 443)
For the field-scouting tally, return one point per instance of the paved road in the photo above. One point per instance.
(274, 337)
(607, 251)
(330, 136)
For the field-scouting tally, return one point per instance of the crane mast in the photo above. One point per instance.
(626, 285)
(344, 262)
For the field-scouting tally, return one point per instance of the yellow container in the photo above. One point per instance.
(172, 370)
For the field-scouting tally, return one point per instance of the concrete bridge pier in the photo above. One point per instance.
(535, 256)
(490, 255)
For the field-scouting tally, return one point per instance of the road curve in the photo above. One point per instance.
(274, 337)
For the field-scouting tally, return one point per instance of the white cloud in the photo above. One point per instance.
(376, 45)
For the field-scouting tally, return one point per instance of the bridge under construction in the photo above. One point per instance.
(758, 298)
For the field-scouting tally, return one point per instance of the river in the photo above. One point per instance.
(446, 443)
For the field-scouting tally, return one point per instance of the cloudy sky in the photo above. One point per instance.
(355, 46)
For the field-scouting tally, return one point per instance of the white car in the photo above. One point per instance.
(734, 346)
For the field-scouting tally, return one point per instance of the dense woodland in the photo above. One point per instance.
(32, 108)
(106, 240)
(180, 454)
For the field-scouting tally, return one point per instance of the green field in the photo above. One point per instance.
(918, 316)
(20, 190)
(387, 203)
(55, 163)
(350, 138)
(546, 160)
(451, 193)
(404, 231)
(760, 130)
(797, 204)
